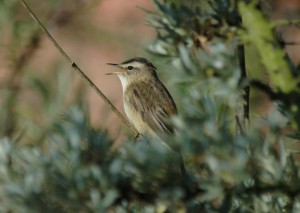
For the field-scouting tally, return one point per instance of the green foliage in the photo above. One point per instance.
(262, 37)
(53, 160)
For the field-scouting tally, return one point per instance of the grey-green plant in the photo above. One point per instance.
(58, 162)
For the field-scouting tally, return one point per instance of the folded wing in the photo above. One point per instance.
(155, 105)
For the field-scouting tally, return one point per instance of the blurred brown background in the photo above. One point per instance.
(118, 31)
(289, 9)
(112, 31)
(94, 33)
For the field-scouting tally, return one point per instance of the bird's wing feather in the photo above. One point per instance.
(154, 103)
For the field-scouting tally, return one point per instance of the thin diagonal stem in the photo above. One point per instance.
(79, 71)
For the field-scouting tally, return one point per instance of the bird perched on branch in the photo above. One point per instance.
(147, 102)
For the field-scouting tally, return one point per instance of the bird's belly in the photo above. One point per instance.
(136, 119)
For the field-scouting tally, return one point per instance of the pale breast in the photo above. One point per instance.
(136, 119)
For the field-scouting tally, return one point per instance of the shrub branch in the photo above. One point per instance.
(79, 71)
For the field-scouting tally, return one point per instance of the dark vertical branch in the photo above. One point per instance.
(243, 107)
(246, 91)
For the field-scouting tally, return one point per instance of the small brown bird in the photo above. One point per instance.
(147, 102)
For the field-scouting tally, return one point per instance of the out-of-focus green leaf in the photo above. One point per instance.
(259, 32)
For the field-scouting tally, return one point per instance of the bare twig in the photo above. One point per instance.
(80, 72)
(265, 88)
(286, 23)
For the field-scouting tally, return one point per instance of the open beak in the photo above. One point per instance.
(115, 73)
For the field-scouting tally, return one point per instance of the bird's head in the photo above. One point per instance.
(134, 68)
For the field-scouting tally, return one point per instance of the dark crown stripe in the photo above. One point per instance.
(141, 60)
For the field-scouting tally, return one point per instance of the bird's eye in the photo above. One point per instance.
(130, 67)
